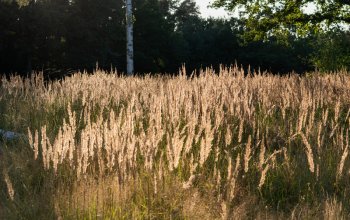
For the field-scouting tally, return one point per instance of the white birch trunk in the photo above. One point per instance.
(129, 39)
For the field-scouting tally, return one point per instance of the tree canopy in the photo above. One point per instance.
(280, 17)
(63, 36)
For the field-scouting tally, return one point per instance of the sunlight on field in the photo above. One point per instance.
(213, 146)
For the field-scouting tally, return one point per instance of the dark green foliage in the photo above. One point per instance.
(59, 37)
(333, 51)
(282, 17)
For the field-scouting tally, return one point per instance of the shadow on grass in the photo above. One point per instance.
(25, 189)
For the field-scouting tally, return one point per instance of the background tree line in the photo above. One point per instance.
(60, 36)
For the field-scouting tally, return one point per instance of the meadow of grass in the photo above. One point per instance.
(213, 146)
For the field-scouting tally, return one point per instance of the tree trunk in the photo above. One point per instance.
(129, 39)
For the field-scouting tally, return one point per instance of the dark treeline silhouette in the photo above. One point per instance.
(62, 36)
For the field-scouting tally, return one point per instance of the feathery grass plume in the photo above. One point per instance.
(333, 209)
(284, 112)
(10, 190)
(175, 145)
(340, 138)
(325, 117)
(206, 142)
(224, 210)
(34, 143)
(312, 116)
(272, 157)
(319, 139)
(342, 161)
(58, 149)
(309, 154)
(347, 115)
(334, 129)
(121, 124)
(263, 176)
(218, 178)
(262, 154)
(228, 136)
(240, 131)
(344, 156)
(302, 116)
(233, 178)
(258, 134)
(336, 110)
(229, 169)
(192, 164)
(248, 151)
(30, 139)
(45, 151)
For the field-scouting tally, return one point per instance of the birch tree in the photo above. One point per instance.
(129, 39)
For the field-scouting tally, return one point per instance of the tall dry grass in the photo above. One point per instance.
(281, 141)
